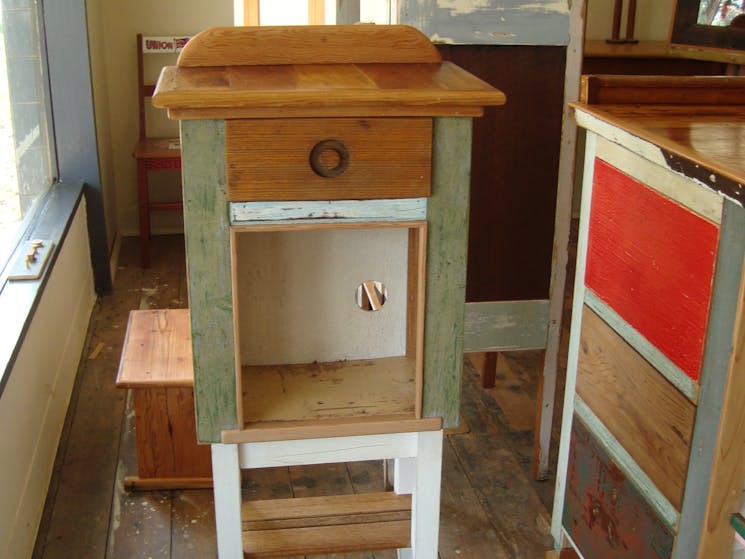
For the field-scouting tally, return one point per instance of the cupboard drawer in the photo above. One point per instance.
(328, 158)
(604, 512)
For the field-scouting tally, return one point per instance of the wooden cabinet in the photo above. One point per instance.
(326, 175)
(652, 460)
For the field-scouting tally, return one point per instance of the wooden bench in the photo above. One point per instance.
(157, 365)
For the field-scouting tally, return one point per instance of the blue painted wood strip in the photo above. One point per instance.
(658, 360)
(447, 248)
(321, 211)
(207, 236)
(664, 509)
(506, 325)
(495, 22)
(717, 356)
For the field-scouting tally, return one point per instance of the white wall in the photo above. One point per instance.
(112, 28)
(36, 396)
(653, 19)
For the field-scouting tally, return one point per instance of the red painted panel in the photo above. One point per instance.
(652, 261)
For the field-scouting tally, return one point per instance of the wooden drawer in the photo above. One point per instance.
(604, 512)
(328, 158)
(648, 416)
(652, 261)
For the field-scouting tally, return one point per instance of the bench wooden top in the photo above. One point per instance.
(157, 350)
(252, 72)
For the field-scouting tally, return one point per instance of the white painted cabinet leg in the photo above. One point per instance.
(404, 475)
(226, 474)
(425, 506)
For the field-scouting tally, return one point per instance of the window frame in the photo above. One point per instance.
(64, 35)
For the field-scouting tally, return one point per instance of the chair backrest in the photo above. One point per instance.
(152, 45)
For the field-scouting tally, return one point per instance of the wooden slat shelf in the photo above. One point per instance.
(334, 524)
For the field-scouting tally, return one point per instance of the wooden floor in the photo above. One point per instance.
(491, 508)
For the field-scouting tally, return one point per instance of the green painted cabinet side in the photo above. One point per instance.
(447, 248)
(208, 267)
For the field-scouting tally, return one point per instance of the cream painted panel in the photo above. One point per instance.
(35, 400)
(296, 295)
(653, 19)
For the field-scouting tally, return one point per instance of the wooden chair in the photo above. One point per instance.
(151, 154)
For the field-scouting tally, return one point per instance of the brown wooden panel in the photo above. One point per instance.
(269, 159)
(166, 434)
(514, 173)
(644, 411)
(604, 512)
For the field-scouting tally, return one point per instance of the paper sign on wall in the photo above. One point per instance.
(152, 45)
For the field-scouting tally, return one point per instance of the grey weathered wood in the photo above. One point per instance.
(505, 325)
(568, 167)
(210, 280)
(717, 355)
(574, 338)
(447, 217)
(518, 22)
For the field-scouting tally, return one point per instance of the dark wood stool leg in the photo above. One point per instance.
(143, 201)
(489, 374)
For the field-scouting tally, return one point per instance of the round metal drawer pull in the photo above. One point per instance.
(317, 163)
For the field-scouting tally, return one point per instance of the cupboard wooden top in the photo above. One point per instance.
(318, 71)
(698, 122)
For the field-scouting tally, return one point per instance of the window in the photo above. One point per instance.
(302, 12)
(26, 164)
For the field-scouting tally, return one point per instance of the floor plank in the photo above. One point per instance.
(82, 488)
(514, 509)
(466, 531)
(140, 520)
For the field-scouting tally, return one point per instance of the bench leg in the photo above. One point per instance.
(227, 490)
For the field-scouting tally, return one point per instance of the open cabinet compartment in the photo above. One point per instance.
(307, 353)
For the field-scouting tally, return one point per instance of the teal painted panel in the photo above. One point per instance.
(328, 211)
(447, 218)
(506, 325)
(206, 230)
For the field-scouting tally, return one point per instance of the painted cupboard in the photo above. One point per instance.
(652, 458)
(326, 175)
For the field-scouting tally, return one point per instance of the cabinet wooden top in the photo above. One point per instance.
(358, 70)
(698, 122)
